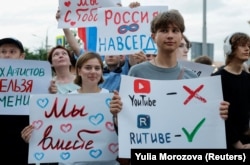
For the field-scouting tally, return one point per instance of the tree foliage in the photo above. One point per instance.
(39, 54)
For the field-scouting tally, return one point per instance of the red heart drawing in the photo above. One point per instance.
(66, 127)
(113, 147)
(67, 3)
(72, 23)
(110, 126)
(37, 124)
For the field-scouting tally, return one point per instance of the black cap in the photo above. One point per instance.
(12, 41)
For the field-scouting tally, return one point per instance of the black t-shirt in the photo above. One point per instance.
(236, 90)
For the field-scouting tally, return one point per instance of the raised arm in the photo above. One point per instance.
(73, 43)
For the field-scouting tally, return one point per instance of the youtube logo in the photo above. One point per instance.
(141, 86)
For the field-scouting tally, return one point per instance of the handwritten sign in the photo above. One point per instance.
(72, 128)
(170, 114)
(20, 78)
(201, 70)
(81, 13)
(125, 30)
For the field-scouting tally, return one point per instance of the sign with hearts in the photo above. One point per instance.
(110, 126)
(82, 13)
(66, 127)
(37, 124)
(113, 147)
(72, 128)
(42, 102)
(96, 119)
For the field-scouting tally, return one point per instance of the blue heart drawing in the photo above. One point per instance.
(96, 119)
(39, 155)
(95, 153)
(108, 102)
(42, 102)
(65, 155)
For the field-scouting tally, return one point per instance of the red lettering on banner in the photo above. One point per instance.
(16, 85)
(74, 112)
(48, 142)
(66, 16)
(126, 17)
(83, 15)
(85, 3)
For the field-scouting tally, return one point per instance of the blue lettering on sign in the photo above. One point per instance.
(130, 42)
(150, 138)
(14, 101)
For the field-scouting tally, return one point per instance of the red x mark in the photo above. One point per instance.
(194, 94)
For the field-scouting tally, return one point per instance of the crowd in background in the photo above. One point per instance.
(79, 71)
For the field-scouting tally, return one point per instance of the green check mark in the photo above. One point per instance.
(191, 135)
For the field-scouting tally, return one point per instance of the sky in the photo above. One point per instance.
(31, 21)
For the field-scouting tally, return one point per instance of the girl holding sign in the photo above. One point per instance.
(89, 68)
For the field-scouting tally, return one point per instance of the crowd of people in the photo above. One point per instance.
(92, 74)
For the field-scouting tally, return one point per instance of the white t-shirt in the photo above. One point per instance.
(103, 90)
(66, 88)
